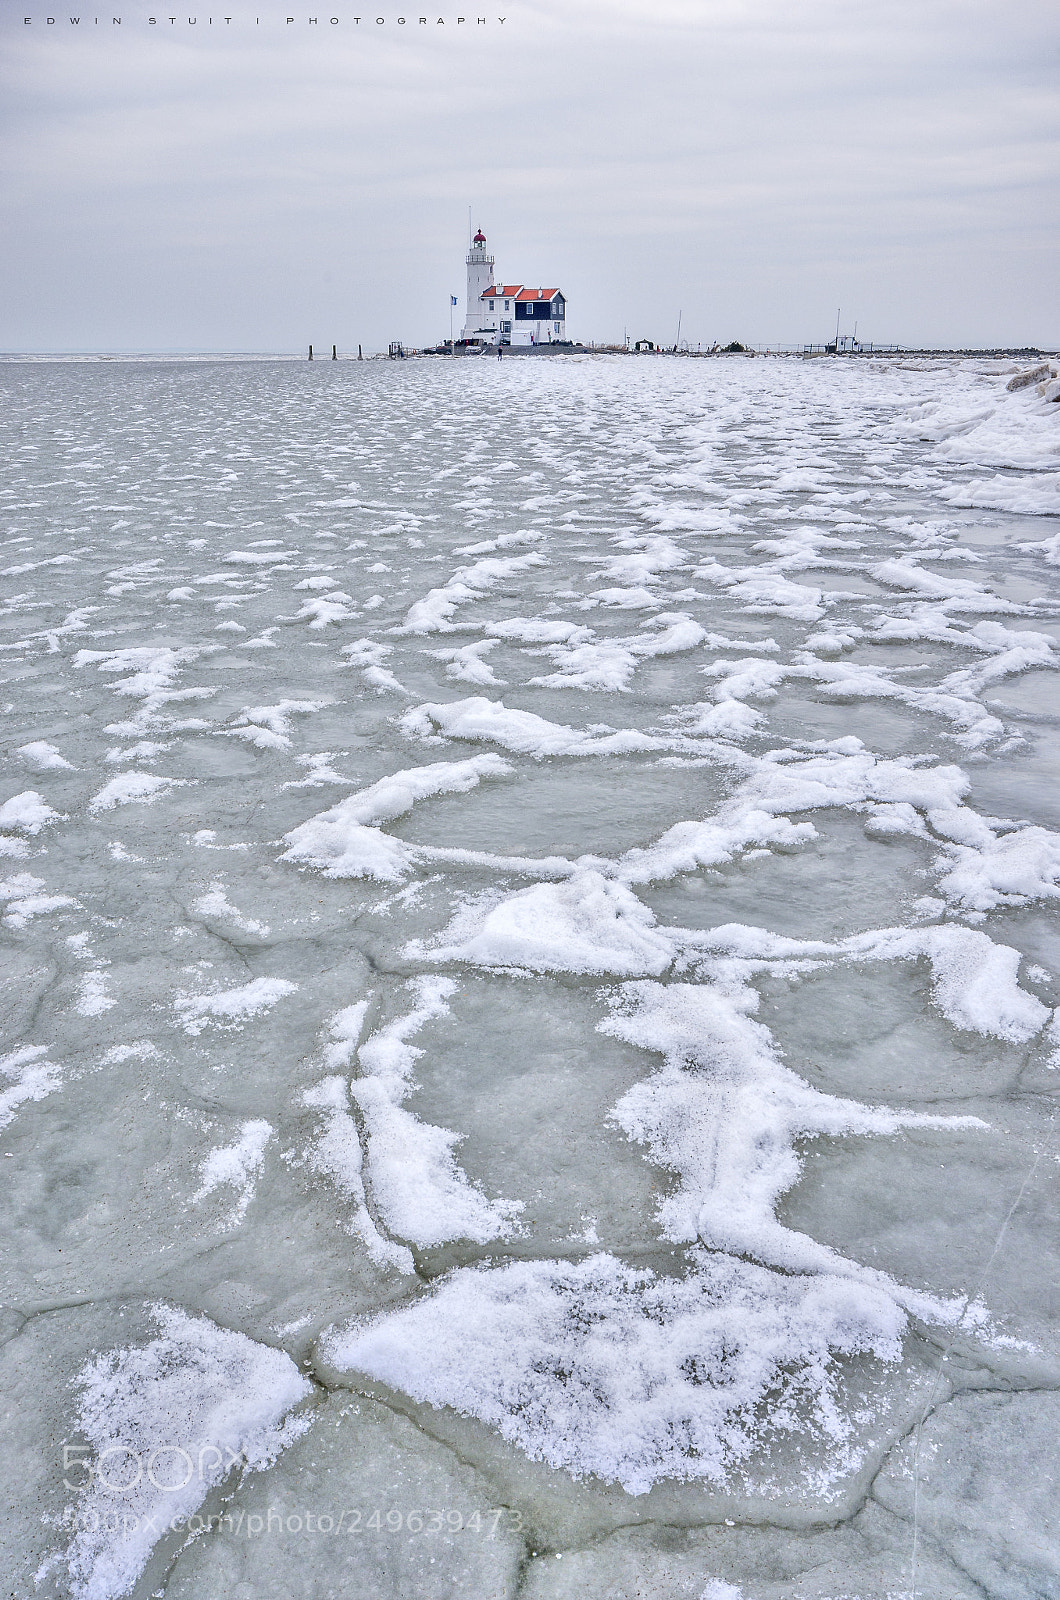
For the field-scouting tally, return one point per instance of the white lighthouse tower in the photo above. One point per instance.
(479, 279)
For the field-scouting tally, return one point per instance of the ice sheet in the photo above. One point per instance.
(560, 937)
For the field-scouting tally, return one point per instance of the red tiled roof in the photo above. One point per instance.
(515, 291)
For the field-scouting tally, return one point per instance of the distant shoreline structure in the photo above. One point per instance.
(773, 351)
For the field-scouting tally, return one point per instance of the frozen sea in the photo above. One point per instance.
(529, 903)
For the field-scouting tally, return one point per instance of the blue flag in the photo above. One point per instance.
(452, 299)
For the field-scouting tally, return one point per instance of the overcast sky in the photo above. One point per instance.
(749, 164)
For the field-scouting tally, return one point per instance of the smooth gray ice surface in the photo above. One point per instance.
(528, 901)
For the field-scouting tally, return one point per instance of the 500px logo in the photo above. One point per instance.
(167, 1467)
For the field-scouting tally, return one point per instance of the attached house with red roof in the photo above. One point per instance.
(509, 313)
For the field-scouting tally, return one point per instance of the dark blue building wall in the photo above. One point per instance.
(540, 309)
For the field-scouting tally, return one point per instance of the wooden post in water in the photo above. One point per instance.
(334, 353)
(359, 355)
(310, 352)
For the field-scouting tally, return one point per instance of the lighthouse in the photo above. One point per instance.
(508, 314)
(479, 279)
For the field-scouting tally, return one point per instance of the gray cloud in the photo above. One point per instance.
(750, 164)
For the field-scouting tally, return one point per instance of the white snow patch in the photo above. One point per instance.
(466, 662)
(44, 757)
(27, 812)
(259, 558)
(336, 1154)
(434, 613)
(1012, 870)
(215, 903)
(347, 841)
(588, 924)
(597, 1368)
(92, 997)
(150, 672)
(215, 1395)
(231, 1006)
(723, 1114)
(133, 788)
(30, 1076)
(334, 607)
(236, 1166)
(523, 732)
(269, 727)
(24, 900)
(1037, 496)
(319, 770)
(370, 656)
(422, 1194)
(140, 1050)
